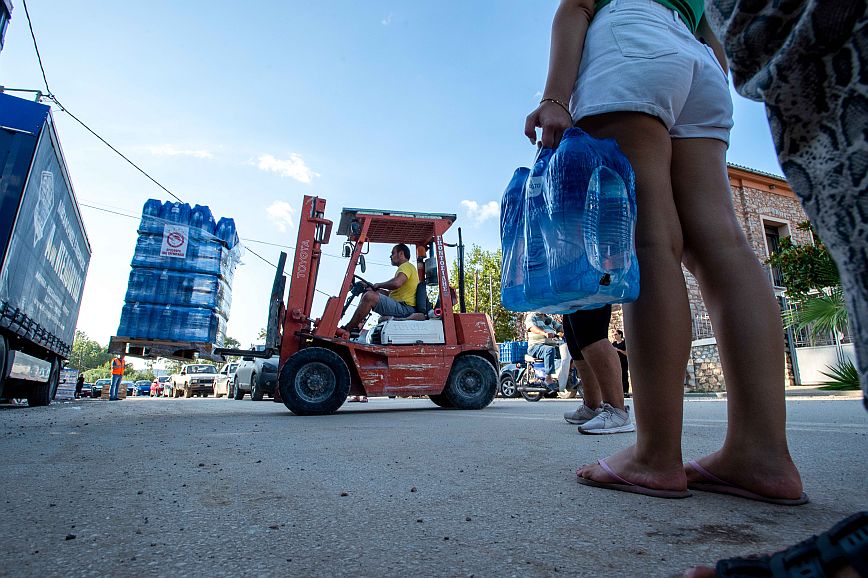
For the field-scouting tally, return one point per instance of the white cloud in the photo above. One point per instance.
(481, 213)
(293, 167)
(387, 20)
(282, 215)
(168, 150)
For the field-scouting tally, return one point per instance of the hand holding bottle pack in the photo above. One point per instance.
(567, 227)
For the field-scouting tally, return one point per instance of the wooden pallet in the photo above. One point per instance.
(152, 348)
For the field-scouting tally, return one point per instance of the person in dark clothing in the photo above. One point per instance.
(621, 346)
(79, 383)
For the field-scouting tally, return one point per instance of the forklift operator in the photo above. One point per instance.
(393, 298)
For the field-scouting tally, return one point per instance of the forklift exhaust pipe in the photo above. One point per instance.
(461, 305)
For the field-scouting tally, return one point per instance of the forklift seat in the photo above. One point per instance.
(422, 304)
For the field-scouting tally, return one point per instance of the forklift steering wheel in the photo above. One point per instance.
(368, 284)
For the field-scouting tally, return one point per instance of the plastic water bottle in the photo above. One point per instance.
(150, 216)
(537, 284)
(226, 232)
(512, 243)
(608, 224)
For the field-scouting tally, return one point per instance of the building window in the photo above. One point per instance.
(773, 232)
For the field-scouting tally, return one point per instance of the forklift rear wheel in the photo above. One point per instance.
(472, 383)
(314, 381)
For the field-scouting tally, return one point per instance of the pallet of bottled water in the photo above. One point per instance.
(566, 228)
(180, 285)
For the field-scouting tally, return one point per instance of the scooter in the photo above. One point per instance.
(530, 379)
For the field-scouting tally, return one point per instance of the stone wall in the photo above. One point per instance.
(707, 371)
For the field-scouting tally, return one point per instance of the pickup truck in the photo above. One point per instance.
(196, 378)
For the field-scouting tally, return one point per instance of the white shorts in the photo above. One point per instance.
(640, 57)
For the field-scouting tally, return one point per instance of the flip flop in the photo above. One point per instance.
(624, 486)
(713, 484)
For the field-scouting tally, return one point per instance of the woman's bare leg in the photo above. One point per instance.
(659, 321)
(746, 320)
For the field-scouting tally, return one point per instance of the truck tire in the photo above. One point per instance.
(472, 383)
(4, 356)
(256, 393)
(43, 393)
(314, 381)
(239, 393)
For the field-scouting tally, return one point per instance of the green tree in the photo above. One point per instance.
(806, 269)
(262, 334)
(482, 289)
(86, 353)
(231, 343)
(104, 371)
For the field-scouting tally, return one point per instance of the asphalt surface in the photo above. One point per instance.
(217, 487)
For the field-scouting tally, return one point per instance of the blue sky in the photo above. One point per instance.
(247, 107)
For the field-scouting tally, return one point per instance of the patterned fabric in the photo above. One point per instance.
(808, 61)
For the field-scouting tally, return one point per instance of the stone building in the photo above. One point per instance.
(768, 210)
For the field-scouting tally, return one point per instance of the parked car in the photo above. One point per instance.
(195, 378)
(131, 387)
(158, 384)
(143, 387)
(223, 385)
(86, 390)
(255, 376)
(96, 389)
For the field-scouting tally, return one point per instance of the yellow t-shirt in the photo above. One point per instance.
(406, 293)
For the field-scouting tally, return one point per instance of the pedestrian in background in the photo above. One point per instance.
(633, 71)
(118, 367)
(602, 411)
(79, 383)
(621, 346)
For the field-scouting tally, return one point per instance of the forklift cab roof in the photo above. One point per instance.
(394, 226)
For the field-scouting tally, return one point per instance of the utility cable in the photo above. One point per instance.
(106, 143)
(53, 98)
(36, 47)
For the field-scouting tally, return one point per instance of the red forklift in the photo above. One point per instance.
(450, 357)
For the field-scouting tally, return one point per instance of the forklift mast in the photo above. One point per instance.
(314, 230)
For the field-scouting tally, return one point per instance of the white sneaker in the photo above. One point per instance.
(610, 420)
(582, 415)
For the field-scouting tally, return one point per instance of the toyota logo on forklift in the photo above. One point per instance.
(448, 356)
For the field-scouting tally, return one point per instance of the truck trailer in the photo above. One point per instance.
(44, 253)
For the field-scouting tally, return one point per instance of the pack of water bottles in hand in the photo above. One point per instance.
(180, 286)
(567, 229)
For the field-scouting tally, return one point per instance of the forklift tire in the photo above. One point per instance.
(441, 400)
(314, 381)
(472, 383)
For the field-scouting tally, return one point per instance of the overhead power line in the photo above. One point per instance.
(36, 47)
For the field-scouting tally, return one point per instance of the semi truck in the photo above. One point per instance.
(44, 253)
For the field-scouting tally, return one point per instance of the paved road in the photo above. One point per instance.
(208, 487)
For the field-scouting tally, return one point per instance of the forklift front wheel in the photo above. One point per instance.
(314, 381)
(472, 383)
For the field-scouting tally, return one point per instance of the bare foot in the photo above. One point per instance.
(638, 471)
(772, 476)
